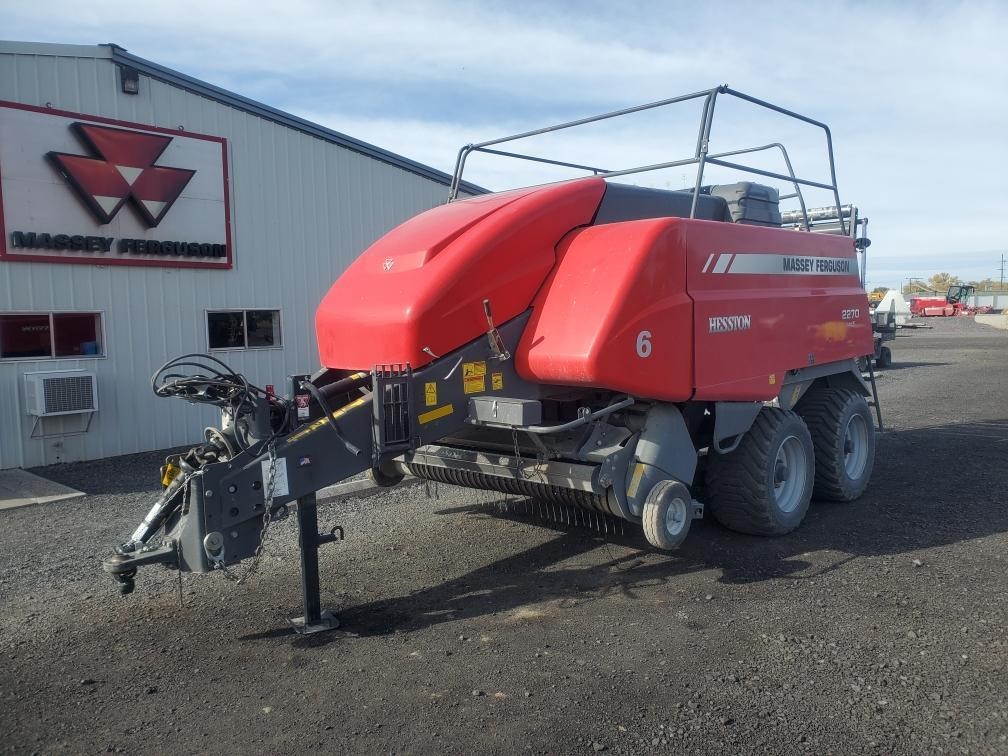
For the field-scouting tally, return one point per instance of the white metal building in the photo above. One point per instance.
(146, 214)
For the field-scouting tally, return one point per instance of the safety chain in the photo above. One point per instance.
(266, 520)
(519, 472)
(432, 491)
(537, 475)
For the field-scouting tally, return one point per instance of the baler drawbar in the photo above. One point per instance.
(641, 353)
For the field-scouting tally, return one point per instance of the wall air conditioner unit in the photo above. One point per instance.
(60, 392)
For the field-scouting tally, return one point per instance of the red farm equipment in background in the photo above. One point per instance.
(951, 305)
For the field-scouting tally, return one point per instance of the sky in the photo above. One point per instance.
(914, 92)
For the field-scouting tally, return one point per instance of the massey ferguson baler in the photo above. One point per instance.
(642, 353)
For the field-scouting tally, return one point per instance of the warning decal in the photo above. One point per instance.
(497, 381)
(430, 393)
(279, 478)
(322, 421)
(302, 401)
(474, 377)
(435, 414)
(635, 480)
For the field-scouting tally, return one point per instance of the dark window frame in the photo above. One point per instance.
(51, 314)
(277, 313)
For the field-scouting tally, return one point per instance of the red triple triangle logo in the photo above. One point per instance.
(123, 170)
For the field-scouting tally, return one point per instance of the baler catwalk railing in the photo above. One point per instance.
(701, 157)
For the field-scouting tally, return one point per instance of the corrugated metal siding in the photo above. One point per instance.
(998, 301)
(302, 210)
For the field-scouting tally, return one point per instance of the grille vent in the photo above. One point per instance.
(60, 393)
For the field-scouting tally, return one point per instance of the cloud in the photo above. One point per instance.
(913, 92)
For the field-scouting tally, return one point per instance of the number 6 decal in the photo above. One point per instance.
(644, 344)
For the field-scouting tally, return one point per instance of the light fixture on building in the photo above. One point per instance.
(130, 79)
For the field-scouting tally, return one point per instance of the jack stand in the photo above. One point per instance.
(314, 619)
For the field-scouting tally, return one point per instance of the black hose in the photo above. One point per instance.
(211, 381)
(317, 395)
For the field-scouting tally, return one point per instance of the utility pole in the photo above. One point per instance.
(1001, 287)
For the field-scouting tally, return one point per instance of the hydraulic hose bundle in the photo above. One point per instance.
(256, 415)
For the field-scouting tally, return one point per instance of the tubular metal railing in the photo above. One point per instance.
(700, 158)
(844, 220)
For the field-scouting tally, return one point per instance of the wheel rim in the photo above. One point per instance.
(856, 446)
(790, 466)
(675, 517)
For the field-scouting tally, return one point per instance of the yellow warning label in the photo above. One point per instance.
(170, 473)
(430, 393)
(435, 414)
(474, 377)
(773, 379)
(635, 479)
(497, 381)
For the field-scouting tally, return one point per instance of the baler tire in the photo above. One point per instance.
(742, 484)
(385, 476)
(884, 359)
(838, 419)
(668, 500)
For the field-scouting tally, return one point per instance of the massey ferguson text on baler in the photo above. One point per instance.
(586, 342)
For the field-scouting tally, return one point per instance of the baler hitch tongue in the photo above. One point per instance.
(123, 565)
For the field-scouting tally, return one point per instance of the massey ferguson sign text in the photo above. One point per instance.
(86, 189)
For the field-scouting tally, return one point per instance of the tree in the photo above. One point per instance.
(988, 284)
(916, 286)
(942, 281)
(880, 290)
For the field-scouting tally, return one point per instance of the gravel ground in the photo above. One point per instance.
(877, 627)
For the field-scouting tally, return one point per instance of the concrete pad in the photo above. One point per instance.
(998, 321)
(20, 488)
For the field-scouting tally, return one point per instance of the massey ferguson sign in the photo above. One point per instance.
(88, 190)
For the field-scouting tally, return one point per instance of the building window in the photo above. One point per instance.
(44, 335)
(243, 329)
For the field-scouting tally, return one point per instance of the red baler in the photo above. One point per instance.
(588, 342)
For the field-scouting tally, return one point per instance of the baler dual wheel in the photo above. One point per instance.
(667, 515)
(763, 487)
(385, 476)
(843, 436)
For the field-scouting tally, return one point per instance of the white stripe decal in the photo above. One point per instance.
(722, 263)
(768, 263)
(707, 264)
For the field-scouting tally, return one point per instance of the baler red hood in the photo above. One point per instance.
(423, 283)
